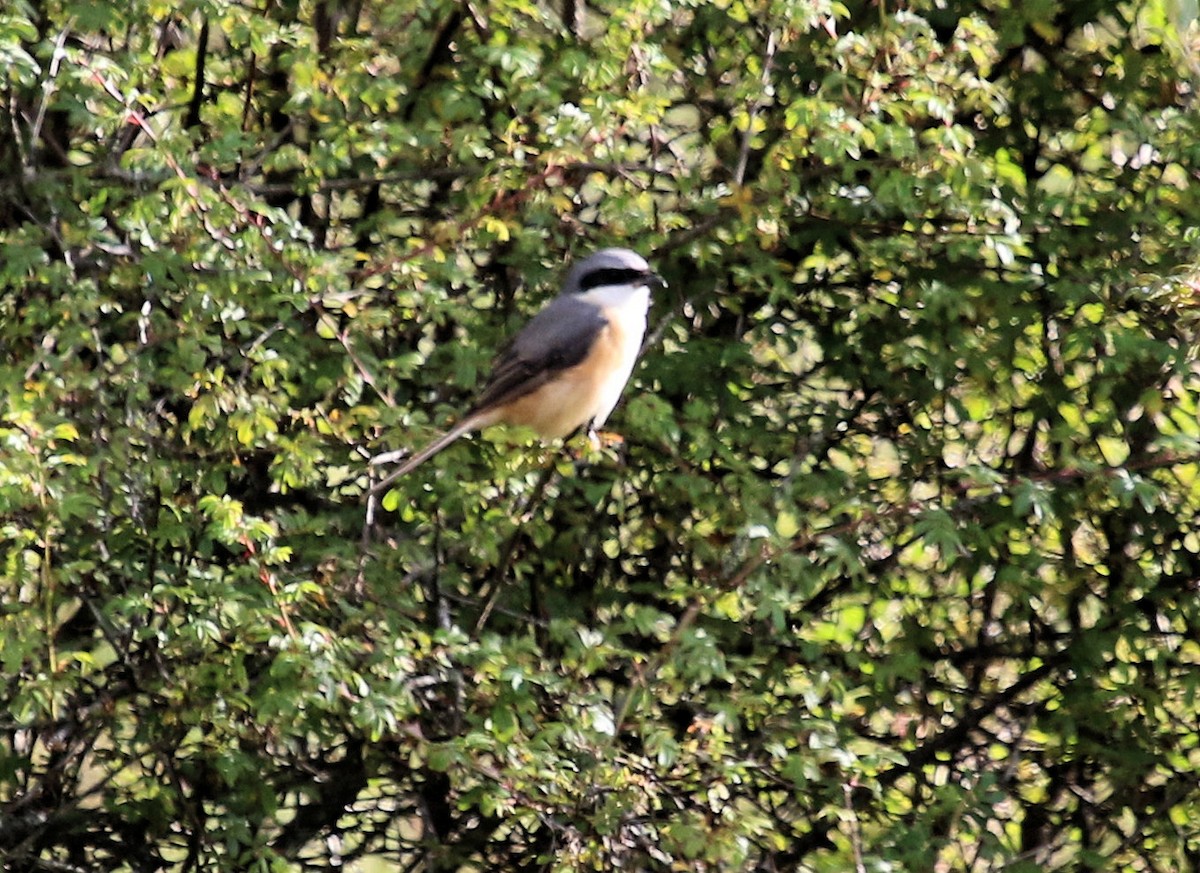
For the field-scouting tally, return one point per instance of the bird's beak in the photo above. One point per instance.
(656, 282)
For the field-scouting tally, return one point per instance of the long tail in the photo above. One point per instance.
(468, 424)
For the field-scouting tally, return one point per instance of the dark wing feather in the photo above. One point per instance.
(558, 337)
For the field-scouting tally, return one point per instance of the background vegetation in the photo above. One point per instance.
(895, 570)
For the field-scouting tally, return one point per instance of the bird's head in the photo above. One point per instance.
(615, 268)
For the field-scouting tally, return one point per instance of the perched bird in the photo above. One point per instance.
(568, 365)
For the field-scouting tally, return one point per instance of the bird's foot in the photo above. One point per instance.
(598, 440)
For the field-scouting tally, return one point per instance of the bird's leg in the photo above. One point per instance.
(597, 441)
(578, 451)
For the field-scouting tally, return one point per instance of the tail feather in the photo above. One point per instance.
(468, 424)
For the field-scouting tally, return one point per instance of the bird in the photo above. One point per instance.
(569, 364)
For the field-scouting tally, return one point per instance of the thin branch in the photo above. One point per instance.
(510, 548)
(48, 89)
(192, 119)
(739, 175)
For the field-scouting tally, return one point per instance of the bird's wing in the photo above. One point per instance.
(558, 337)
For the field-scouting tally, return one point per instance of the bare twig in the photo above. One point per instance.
(510, 548)
(48, 86)
(855, 828)
(739, 175)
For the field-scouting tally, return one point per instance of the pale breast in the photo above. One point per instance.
(589, 390)
(627, 327)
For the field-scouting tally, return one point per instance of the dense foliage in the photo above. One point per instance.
(896, 568)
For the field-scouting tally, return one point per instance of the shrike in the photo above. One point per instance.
(568, 365)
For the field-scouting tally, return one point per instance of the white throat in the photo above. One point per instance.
(619, 296)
